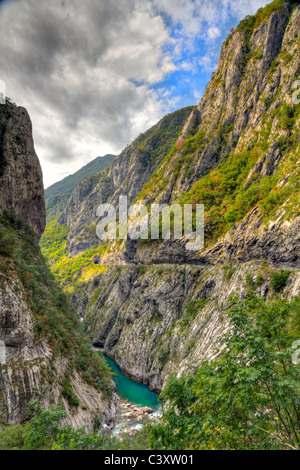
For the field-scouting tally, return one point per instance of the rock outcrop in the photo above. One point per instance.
(21, 179)
(33, 367)
(32, 371)
(276, 241)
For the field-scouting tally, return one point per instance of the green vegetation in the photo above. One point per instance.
(57, 195)
(45, 432)
(279, 280)
(161, 140)
(164, 355)
(248, 398)
(228, 272)
(69, 271)
(53, 314)
(224, 193)
(249, 23)
(68, 393)
(78, 269)
(81, 268)
(53, 242)
(176, 161)
(192, 309)
(250, 282)
(234, 185)
(259, 280)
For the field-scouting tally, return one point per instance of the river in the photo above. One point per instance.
(134, 392)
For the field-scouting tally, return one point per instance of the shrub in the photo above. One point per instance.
(164, 355)
(279, 280)
(45, 432)
(7, 242)
(68, 393)
(13, 437)
(228, 272)
(250, 282)
(259, 280)
(247, 398)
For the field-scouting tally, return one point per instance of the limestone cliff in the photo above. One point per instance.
(37, 323)
(21, 179)
(33, 371)
(237, 153)
(156, 321)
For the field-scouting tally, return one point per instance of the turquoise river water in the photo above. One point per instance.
(134, 392)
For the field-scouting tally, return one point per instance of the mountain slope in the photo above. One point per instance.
(57, 194)
(67, 185)
(127, 175)
(238, 153)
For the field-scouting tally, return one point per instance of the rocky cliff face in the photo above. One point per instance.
(32, 372)
(276, 241)
(156, 321)
(127, 175)
(21, 179)
(36, 362)
(162, 308)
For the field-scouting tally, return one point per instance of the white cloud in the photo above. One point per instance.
(213, 32)
(189, 14)
(202, 19)
(207, 62)
(243, 8)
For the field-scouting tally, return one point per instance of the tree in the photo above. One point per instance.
(45, 432)
(246, 399)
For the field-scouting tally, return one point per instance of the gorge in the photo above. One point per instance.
(153, 306)
(156, 309)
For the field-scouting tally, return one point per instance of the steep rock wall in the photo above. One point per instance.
(154, 321)
(31, 369)
(21, 179)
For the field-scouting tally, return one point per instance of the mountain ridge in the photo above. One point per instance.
(57, 195)
(67, 184)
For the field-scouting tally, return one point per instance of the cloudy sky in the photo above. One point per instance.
(93, 74)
